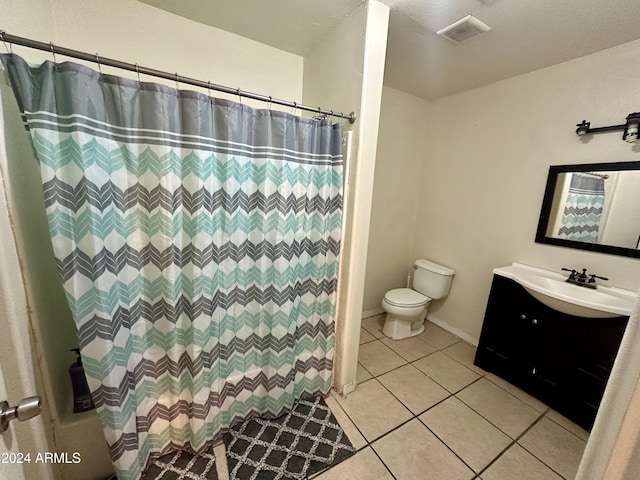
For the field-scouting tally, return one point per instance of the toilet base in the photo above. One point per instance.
(398, 328)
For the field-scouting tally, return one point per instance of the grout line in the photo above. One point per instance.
(450, 449)
(382, 461)
(565, 428)
(416, 416)
(513, 442)
(533, 454)
(413, 415)
(363, 367)
(354, 424)
(516, 441)
(548, 408)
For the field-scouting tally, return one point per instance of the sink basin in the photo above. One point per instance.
(551, 289)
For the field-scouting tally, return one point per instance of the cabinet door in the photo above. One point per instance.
(601, 340)
(557, 343)
(504, 346)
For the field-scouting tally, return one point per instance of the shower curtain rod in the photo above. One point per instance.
(134, 67)
(601, 175)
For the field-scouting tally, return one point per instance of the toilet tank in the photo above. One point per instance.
(431, 279)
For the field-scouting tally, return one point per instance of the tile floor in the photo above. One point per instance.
(422, 410)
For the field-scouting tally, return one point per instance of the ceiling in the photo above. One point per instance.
(526, 34)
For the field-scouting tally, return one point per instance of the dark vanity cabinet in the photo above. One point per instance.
(561, 359)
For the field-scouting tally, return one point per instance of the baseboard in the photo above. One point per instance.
(455, 331)
(348, 388)
(372, 313)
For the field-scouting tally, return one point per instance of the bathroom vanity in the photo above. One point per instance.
(551, 339)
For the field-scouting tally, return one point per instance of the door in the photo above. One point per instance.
(8, 470)
(17, 357)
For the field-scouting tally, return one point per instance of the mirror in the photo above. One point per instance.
(593, 207)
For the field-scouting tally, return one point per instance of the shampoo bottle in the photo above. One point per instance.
(82, 400)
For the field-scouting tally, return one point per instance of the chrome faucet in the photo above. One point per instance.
(584, 279)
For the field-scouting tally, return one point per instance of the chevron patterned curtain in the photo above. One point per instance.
(583, 208)
(197, 240)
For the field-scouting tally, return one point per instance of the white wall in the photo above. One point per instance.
(402, 148)
(134, 32)
(484, 177)
(626, 204)
(347, 70)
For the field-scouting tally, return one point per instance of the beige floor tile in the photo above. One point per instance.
(534, 403)
(505, 411)
(464, 353)
(519, 464)
(365, 336)
(412, 452)
(374, 325)
(446, 371)
(437, 337)
(354, 436)
(555, 446)
(221, 462)
(364, 465)
(465, 432)
(362, 374)
(413, 388)
(568, 424)
(373, 409)
(377, 358)
(409, 348)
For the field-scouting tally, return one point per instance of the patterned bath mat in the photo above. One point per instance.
(182, 466)
(292, 446)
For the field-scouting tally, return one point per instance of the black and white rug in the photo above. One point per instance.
(292, 446)
(182, 465)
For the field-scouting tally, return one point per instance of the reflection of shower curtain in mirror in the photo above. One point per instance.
(583, 208)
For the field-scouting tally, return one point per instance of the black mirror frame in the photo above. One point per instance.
(547, 201)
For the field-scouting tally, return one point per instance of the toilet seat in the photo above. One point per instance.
(405, 297)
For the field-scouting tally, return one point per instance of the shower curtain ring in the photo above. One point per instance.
(99, 64)
(239, 95)
(10, 47)
(270, 102)
(138, 72)
(177, 81)
(53, 52)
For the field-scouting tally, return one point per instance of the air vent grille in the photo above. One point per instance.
(464, 29)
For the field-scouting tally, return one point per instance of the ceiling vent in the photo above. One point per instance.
(464, 29)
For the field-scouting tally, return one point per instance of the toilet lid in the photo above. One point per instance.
(405, 297)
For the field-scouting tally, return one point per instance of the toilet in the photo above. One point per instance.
(407, 307)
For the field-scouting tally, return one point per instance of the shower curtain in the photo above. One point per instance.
(197, 240)
(583, 208)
